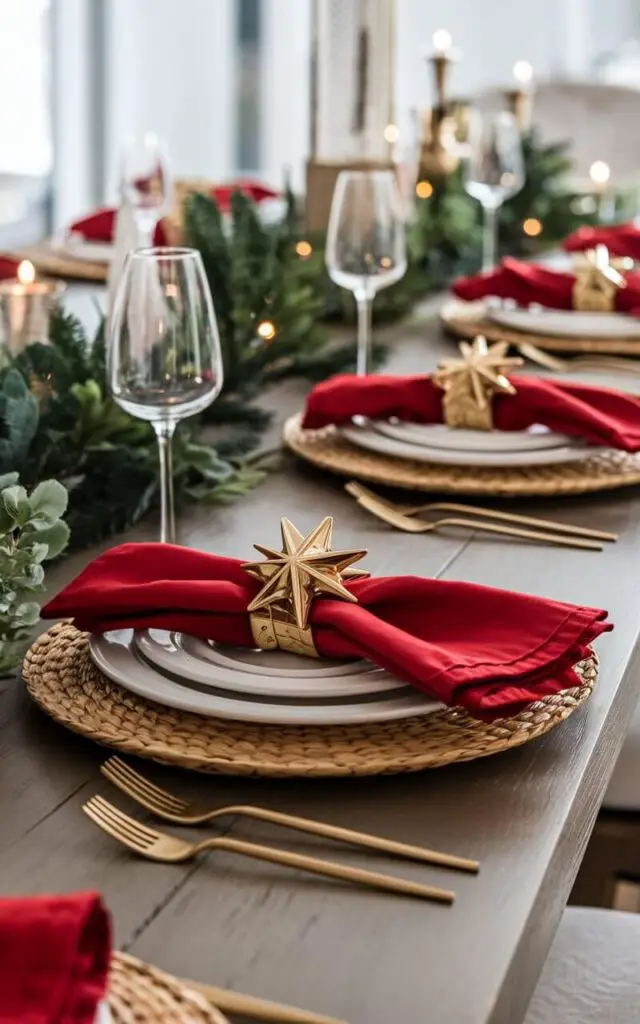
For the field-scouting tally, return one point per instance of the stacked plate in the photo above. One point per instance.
(270, 687)
(564, 323)
(440, 444)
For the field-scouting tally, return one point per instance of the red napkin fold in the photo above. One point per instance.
(528, 282)
(8, 267)
(620, 239)
(601, 416)
(100, 226)
(491, 651)
(55, 953)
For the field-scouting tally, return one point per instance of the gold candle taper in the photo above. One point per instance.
(25, 305)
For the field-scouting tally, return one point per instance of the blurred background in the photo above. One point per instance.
(226, 83)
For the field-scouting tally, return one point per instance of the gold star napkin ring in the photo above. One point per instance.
(597, 281)
(305, 568)
(469, 383)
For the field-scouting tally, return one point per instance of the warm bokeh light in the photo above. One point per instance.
(386, 262)
(599, 172)
(522, 71)
(442, 40)
(26, 272)
(304, 249)
(391, 133)
(266, 330)
(507, 179)
(532, 227)
(424, 189)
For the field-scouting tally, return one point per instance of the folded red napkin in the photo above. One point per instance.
(100, 226)
(55, 953)
(526, 283)
(620, 239)
(8, 267)
(599, 415)
(488, 650)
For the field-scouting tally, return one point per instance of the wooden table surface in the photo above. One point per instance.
(363, 957)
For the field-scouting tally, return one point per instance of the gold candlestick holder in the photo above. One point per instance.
(439, 155)
(520, 103)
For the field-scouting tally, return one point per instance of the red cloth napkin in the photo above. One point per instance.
(488, 650)
(8, 267)
(601, 416)
(55, 953)
(100, 226)
(620, 239)
(527, 282)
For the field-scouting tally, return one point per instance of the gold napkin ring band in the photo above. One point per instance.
(272, 630)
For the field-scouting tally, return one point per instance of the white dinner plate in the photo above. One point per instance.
(438, 435)
(267, 673)
(566, 322)
(373, 440)
(115, 654)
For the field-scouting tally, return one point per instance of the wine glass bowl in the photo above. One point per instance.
(145, 182)
(366, 245)
(164, 357)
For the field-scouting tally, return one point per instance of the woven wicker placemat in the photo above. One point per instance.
(326, 448)
(52, 262)
(63, 680)
(141, 994)
(467, 320)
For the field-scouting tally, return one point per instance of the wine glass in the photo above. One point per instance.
(366, 244)
(145, 182)
(164, 358)
(494, 171)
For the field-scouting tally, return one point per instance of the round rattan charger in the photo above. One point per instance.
(467, 320)
(141, 994)
(63, 680)
(327, 449)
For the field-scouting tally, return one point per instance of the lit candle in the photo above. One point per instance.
(25, 305)
(600, 173)
(520, 97)
(523, 73)
(442, 42)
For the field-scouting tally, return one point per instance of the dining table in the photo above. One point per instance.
(360, 956)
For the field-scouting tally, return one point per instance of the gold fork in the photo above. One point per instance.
(357, 491)
(409, 525)
(163, 804)
(168, 849)
(588, 362)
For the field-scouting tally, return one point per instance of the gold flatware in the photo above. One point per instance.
(168, 849)
(409, 525)
(171, 808)
(357, 491)
(587, 362)
(257, 1009)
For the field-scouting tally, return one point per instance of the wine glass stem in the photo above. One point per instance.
(164, 432)
(365, 304)
(146, 222)
(489, 237)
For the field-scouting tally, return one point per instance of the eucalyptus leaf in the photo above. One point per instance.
(55, 538)
(49, 500)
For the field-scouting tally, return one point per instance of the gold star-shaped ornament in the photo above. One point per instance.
(597, 280)
(470, 381)
(306, 566)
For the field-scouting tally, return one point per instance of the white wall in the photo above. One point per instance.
(170, 68)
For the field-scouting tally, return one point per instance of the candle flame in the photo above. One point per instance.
(522, 71)
(442, 40)
(26, 272)
(599, 172)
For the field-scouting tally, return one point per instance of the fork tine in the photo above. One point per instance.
(122, 820)
(138, 792)
(129, 779)
(105, 826)
(106, 817)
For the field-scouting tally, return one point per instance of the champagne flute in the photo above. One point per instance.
(366, 244)
(493, 171)
(145, 183)
(164, 358)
